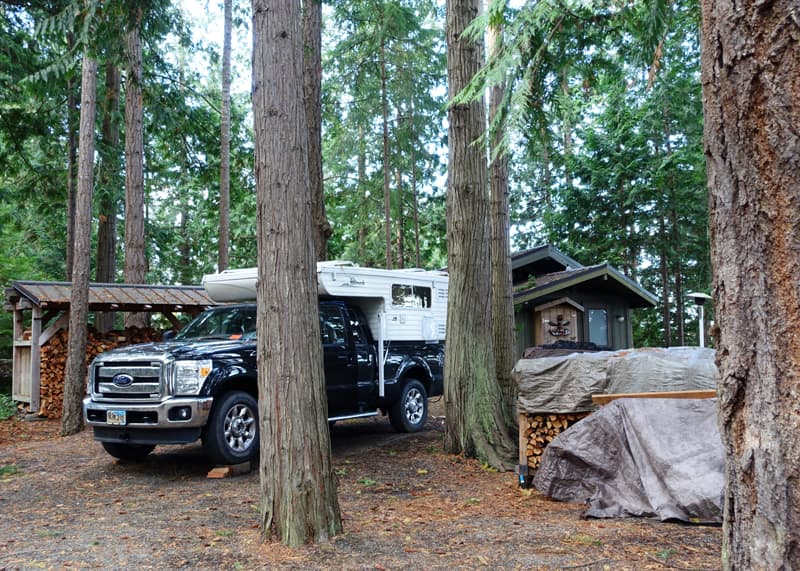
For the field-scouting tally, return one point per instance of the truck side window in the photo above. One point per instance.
(331, 326)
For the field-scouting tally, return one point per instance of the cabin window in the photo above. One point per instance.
(411, 296)
(598, 326)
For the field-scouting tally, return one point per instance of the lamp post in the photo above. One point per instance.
(699, 299)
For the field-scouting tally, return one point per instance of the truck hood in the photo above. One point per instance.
(182, 349)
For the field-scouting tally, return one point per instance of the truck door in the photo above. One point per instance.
(340, 367)
(365, 360)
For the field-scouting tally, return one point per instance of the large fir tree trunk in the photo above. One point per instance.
(502, 291)
(225, 143)
(75, 374)
(751, 99)
(475, 422)
(298, 488)
(135, 263)
(312, 93)
(107, 218)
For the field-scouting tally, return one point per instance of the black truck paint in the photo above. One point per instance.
(159, 393)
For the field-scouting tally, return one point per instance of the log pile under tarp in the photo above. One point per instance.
(556, 391)
(54, 361)
(536, 431)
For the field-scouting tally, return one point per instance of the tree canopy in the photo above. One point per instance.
(602, 126)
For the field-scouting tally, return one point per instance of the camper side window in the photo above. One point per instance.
(411, 296)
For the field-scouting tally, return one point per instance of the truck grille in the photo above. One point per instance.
(129, 380)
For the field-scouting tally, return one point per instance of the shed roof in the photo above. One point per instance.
(602, 276)
(106, 297)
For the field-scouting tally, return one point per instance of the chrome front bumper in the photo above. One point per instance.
(148, 416)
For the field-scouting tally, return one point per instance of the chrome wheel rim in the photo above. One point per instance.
(414, 406)
(240, 428)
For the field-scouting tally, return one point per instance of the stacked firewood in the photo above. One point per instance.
(54, 361)
(538, 430)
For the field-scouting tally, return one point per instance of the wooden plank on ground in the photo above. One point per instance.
(605, 399)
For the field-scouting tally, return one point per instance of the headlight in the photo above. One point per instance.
(189, 376)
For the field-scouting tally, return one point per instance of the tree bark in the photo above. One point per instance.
(312, 93)
(475, 423)
(135, 262)
(107, 216)
(502, 292)
(75, 374)
(225, 143)
(751, 99)
(72, 159)
(298, 488)
(387, 212)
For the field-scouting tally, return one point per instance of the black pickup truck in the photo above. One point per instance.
(202, 383)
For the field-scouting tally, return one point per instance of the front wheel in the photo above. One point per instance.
(408, 414)
(231, 435)
(125, 451)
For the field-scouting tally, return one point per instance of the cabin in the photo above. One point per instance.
(557, 299)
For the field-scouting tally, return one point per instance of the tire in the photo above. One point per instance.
(410, 411)
(125, 451)
(231, 435)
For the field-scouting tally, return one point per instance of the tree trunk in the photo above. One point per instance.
(312, 93)
(664, 274)
(107, 216)
(751, 99)
(72, 159)
(475, 422)
(75, 374)
(298, 487)
(414, 194)
(387, 216)
(225, 143)
(400, 222)
(135, 264)
(502, 292)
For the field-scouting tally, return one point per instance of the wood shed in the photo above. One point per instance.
(41, 311)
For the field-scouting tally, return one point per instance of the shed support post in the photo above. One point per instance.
(36, 359)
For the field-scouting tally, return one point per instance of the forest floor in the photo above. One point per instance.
(66, 504)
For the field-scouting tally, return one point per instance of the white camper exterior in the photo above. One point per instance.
(400, 305)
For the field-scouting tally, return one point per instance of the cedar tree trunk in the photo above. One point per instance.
(502, 291)
(312, 93)
(475, 424)
(298, 488)
(225, 143)
(135, 264)
(107, 218)
(75, 374)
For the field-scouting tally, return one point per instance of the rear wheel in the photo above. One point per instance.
(231, 435)
(409, 413)
(125, 451)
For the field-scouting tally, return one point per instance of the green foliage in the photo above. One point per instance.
(8, 470)
(7, 407)
(410, 33)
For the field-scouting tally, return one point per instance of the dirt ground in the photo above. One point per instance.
(65, 504)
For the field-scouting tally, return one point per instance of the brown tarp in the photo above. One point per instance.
(657, 457)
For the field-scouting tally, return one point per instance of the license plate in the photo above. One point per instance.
(115, 417)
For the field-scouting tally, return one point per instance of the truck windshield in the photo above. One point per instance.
(222, 323)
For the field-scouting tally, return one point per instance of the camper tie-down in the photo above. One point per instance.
(382, 334)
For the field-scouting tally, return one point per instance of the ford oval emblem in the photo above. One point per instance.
(122, 380)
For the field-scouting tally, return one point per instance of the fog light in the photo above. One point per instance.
(180, 413)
